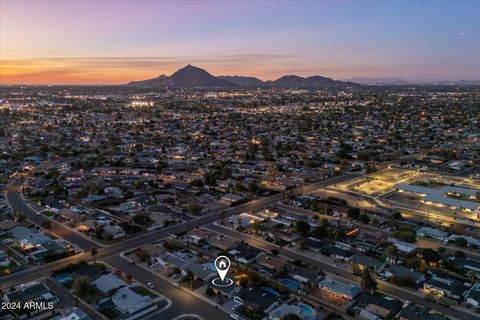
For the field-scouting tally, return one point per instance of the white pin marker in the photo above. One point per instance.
(222, 264)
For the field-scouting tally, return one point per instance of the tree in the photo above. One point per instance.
(356, 269)
(353, 213)
(430, 256)
(274, 252)
(396, 215)
(364, 218)
(141, 219)
(291, 316)
(209, 292)
(302, 227)
(324, 222)
(392, 251)
(367, 283)
(47, 225)
(461, 242)
(93, 252)
(194, 208)
(221, 215)
(257, 226)
(83, 288)
(405, 235)
(459, 254)
(143, 255)
(252, 187)
(320, 232)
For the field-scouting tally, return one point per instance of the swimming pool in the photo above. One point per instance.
(63, 278)
(291, 284)
(271, 291)
(306, 309)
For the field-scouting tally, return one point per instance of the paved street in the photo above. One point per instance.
(14, 198)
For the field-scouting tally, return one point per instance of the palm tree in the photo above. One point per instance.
(221, 216)
(93, 252)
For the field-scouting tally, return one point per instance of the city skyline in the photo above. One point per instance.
(111, 42)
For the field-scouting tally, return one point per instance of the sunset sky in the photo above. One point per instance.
(111, 42)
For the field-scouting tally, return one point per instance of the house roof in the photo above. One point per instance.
(340, 287)
(33, 292)
(108, 282)
(127, 299)
(427, 231)
(437, 195)
(402, 272)
(474, 292)
(385, 302)
(466, 263)
(272, 262)
(74, 313)
(367, 261)
(33, 236)
(257, 297)
(199, 271)
(304, 274)
(340, 252)
(451, 285)
(245, 251)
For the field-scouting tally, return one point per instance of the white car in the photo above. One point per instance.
(150, 285)
(176, 284)
(235, 316)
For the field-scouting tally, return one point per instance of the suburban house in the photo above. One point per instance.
(364, 262)
(399, 272)
(256, 298)
(244, 253)
(376, 307)
(473, 296)
(271, 264)
(132, 304)
(109, 282)
(37, 292)
(74, 313)
(448, 288)
(337, 289)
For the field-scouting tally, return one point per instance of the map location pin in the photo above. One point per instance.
(222, 264)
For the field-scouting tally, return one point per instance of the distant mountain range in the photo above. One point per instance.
(378, 81)
(194, 77)
(401, 82)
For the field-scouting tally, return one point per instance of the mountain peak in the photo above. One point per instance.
(194, 77)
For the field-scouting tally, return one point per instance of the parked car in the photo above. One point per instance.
(176, 284)
(150, 285)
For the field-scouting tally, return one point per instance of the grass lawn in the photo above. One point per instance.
(143, 291)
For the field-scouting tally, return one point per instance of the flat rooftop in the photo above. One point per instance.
(438, 195)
